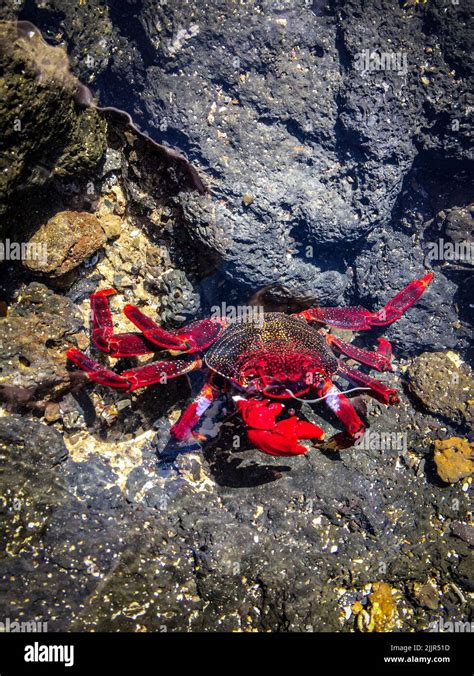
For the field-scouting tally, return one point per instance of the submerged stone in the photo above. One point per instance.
(33, 339)
(70, 238)
(443, 384)
(45, 134)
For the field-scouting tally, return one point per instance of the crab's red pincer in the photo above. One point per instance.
(275, 438)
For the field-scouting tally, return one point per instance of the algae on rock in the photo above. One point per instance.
(45, 133)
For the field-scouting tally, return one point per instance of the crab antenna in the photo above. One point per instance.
(314, 401)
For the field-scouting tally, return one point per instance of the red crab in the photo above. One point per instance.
(281, 357)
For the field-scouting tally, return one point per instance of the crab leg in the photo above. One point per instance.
(387, 394)
(160, 371)
(183, 429)
(97, 372)
(359, 318)
(401, 301)
(154, 333)
(342, 408)
(141, 376)
(118, 345)
(196, 336)
(380, 359)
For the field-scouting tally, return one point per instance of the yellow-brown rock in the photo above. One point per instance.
(454, 459)
(68, 238)
(380, 614)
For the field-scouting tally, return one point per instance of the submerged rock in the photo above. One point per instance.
(31, 444)
(30, 454)
(223, 538)
(443, 385)
(70, 237)
(33, 340)
(44, 133)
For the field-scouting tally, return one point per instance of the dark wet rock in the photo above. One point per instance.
(29, 456)
(459, 225)
(178, 296)
(95, 483)
(447, 132)
(464, 531)
(450, 238)
(33, 339)
(70, 238)
(465, 573)
(305, 153)
(388, 262)
(31, 443)
(83, 288)
(203, 542)
(426, 595)
(76, 412)
(274, 259)
(151, 171)
(44, 134)
(443, 386)
(282, 109)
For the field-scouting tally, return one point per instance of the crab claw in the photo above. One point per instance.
(258, 414)
(275, 438)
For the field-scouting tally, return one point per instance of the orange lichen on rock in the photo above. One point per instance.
(454, 459)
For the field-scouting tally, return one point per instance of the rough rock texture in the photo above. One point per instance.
(43, 133)
(229, 539)
(33, 338)
(70, 238)
(326, 184)
(29, 455)
(304, 143)
(454, 230)
(454, 459)
(443, 386)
